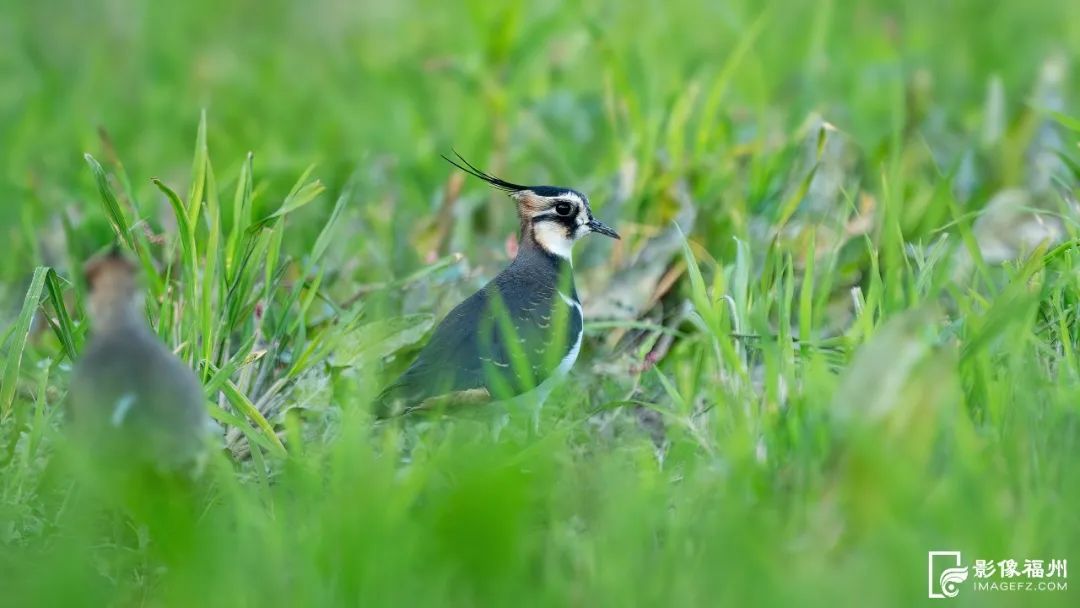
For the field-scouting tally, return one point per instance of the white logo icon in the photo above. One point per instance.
(946, 584)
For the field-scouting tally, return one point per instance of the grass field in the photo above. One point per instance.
(840, 331)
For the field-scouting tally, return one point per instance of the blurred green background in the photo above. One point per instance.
(893, 183)
(565, 91)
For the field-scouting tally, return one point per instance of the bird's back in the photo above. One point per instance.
(505, 339)
(133, 398)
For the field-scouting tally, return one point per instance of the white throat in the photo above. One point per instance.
(552, 237)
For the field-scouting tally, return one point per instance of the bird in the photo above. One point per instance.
(521, 333)
(131, 401)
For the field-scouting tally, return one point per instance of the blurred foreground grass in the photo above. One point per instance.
(866, 344)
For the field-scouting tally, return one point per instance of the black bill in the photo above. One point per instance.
(604, 229)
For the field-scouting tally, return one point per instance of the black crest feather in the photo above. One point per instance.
(471, 169)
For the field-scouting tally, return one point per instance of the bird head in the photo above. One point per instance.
(552, 217)
(115, 296)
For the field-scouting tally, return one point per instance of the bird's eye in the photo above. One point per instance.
(564, 209)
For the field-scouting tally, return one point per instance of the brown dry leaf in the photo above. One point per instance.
(632, 290)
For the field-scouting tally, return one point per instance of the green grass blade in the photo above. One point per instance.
(322, 243)
(65, 331)
(242, 202)
(198, 173)
(246, 408)
(698, 292)
(20, 335)
(208, 314)
(303, 193)
(252, 434)
(113, 212)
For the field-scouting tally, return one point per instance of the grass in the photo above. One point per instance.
(864, 349)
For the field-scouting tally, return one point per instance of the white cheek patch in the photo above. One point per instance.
(581, 220)
(552, 237)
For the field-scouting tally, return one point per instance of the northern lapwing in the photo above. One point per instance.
(131, 401)
(522, 331)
